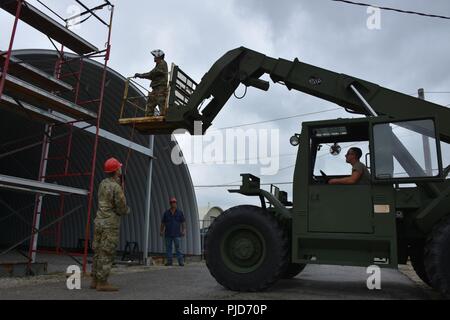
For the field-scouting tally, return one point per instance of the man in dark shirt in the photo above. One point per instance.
(173, 228)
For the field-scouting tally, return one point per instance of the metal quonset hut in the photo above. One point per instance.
(17, 131)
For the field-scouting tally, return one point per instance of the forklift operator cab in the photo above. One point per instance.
(395, 153)
(404, 150)
(349, 206)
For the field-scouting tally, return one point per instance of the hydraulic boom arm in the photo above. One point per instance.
(246, 66)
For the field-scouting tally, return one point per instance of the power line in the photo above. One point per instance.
(267, 121)
(277, 119)
(287, 168)
(237, 186)
(232, 184)
(431, 92)
(394, 9)
(235, 161)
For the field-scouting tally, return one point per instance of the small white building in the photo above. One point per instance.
(208, 214)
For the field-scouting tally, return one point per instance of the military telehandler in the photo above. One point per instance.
(404, 213)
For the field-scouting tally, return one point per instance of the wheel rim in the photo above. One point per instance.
(243, 249)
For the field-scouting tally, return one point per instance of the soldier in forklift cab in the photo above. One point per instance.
(360, 173)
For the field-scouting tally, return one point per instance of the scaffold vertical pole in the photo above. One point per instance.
(39, 198)
(68, 155)
(94, 156)
(11, 44)
(62, 200)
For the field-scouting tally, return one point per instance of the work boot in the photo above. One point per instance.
(106, 287)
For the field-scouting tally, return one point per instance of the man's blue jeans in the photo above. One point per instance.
(169, 249)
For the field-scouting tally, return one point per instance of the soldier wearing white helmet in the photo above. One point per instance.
(159, 79)
(158, 53)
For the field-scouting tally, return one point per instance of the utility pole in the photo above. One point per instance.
(426, 144)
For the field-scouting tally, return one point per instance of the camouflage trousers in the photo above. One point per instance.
(158, 98)
(106, 240)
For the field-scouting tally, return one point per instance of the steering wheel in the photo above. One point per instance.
(325, 176)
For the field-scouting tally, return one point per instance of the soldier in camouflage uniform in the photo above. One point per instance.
(111, 207)
(159, 77)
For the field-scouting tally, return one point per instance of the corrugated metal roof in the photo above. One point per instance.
(168, 179)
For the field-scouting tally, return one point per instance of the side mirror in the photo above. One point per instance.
(368, 160)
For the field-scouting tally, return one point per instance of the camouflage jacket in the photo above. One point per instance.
(111, 203)
(159, 75)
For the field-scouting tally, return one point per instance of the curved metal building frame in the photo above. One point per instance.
(142, 157)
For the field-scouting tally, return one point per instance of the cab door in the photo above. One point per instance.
(341, 209)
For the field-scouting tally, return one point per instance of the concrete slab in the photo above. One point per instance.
(22, 269)
(194, 282)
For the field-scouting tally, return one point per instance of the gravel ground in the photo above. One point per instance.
(194, 282)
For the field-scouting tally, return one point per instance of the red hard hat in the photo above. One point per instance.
(112, 165)
(172, 200)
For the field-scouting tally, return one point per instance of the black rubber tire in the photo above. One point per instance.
(293, 270)
(271, 266)
(437, 257)
(416, 254)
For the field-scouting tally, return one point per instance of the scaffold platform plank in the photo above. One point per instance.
(33, 186)
(22, 70)
(27, 110)
(51, 101)
(45, 24)
(151, 125)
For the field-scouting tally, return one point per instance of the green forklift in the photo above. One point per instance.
(402, 214)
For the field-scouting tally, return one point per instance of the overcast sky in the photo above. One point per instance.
(407, 53)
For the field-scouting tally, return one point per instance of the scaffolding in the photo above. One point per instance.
(31, 92)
